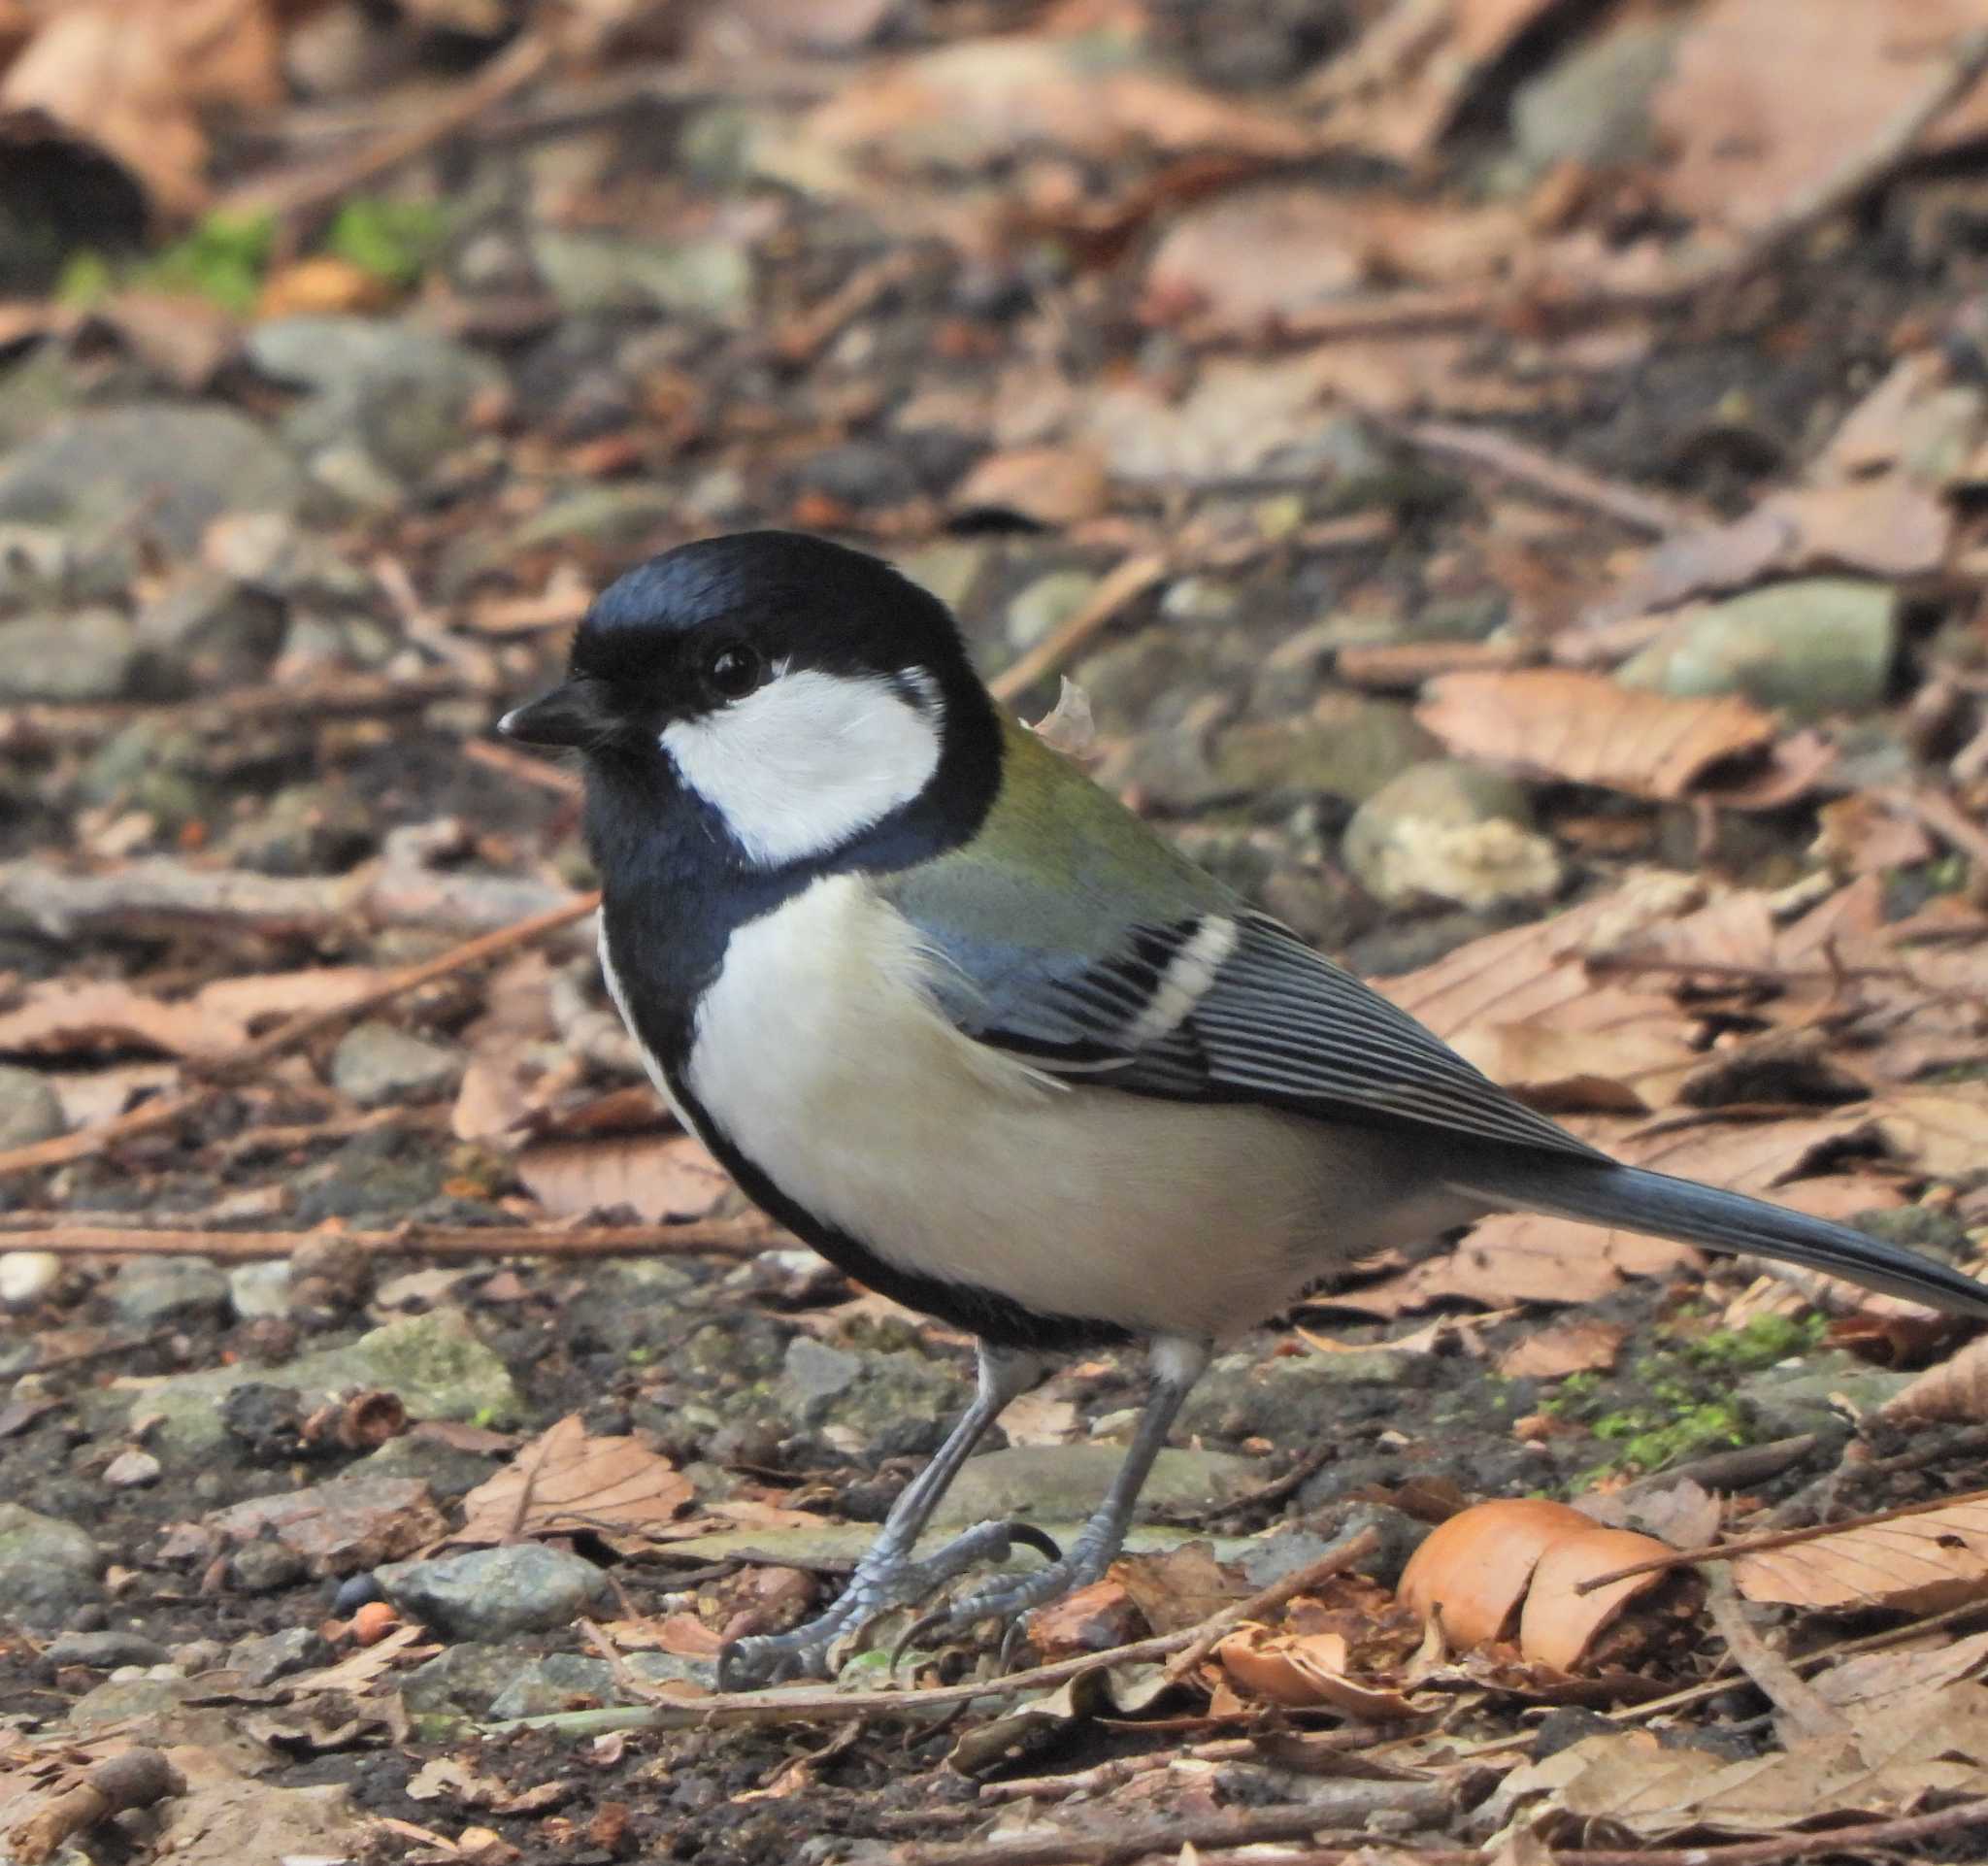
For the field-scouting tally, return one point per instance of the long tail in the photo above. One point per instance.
(1602, 1192)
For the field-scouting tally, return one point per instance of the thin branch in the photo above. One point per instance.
(1123, 587)
(1805, 1709)
(1778, 1539)
(730, 1237)
(167, 1110)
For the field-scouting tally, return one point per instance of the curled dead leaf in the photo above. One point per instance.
(1045, 485)
(1517, 1562)
(1556, 722)
(564, 1481)
(1309, 1669)
(1955, 1389)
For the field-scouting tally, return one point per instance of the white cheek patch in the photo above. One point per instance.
(811, 759)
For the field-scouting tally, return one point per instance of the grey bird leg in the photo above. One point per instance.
(887, 1576)
(1178, 1362)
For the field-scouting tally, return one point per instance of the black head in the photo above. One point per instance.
(809, 695)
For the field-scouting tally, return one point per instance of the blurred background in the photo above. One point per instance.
(1510, 479)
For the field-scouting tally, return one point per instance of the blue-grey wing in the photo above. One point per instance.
(1220, 1004)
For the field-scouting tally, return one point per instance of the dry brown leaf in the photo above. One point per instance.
(564, 1481)
(134, 76)
(1474, 1570)
(260, 995)
(1955, 1389)
(1558, 1623)
(657, 1176)
(1943, 1131)
(340, 1527)
(1179, 1588)
(1307, 1669)
(1935, 1747)
(1567, 1348)
(1919, 1564)
(1555, 722)
(1047, 485)
(1883, 1684)
(62, 1018)
(1811, 80)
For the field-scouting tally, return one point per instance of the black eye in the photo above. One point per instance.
(735, 670)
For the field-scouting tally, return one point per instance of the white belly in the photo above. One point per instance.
(821, 1057)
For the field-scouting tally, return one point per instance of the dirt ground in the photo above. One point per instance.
(1345, 410)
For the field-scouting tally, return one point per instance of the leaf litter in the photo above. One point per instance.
(1052, 292)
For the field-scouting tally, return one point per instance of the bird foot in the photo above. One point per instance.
(1006, 1601)
(879, 1583)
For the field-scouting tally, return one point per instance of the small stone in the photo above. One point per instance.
(1348, 747)
(131, 1470)
(1806, 1394)
(1200, 599)
(594, 272)
(105, 1651)
(542, 1686)
(1046, 604)
(197, 1655)
(149, 1290)
(1065, 1483)
(493, 1594)
(76, 655)
(261, 1661)
(49, 1569)
(206, 630)
(265, 1567)
(436, 1366)
(864, 474)
(259, 1290)
(164, 470)
(133, 1700)
(949, 569)
(27, 1276)
(1818, 646)
(816, 1374)
(1449, 831)
(375, 1064)
(1591, 107)
(30, 1111)
(613, 518)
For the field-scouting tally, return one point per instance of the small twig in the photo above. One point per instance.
(1733, 1470)
(1209, 1634)
(1865, 1839)
(1933, 810)
(1274, 1491)
(1346, 1804)
(1124, 587)
(1807, 1711)
(1528, 466)
(803, 337)
(290, 191)
(213, 715)
(824, 1703)
(166, 1110)
(1776, 1539)
(729, 1237)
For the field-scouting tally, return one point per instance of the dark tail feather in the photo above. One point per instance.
(1663, 1207)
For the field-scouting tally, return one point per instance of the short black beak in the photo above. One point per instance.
(568, 716)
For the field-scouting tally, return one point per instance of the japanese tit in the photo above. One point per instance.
(991, 1044)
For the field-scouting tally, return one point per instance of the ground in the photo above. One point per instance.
(1546, 577)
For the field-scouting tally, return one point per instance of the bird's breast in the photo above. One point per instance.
(820, 1058)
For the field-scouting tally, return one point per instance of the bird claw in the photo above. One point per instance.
(771, 1658)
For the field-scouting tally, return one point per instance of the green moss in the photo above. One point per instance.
(224, 258)
(392, 240)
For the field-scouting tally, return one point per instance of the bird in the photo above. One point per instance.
(987, 1041)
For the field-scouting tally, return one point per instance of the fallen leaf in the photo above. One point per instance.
(658, 1178)
(1810, 80)
(342, 1527)
(1309, 1669)
(1956, 1389)
(564, 1481)
(1884, 1683)
(64, 1018)
(1567, 1348)
(1943, 1131)
(1045, 485)
(1583, 729)
(133, 77)
(1920, 1564)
